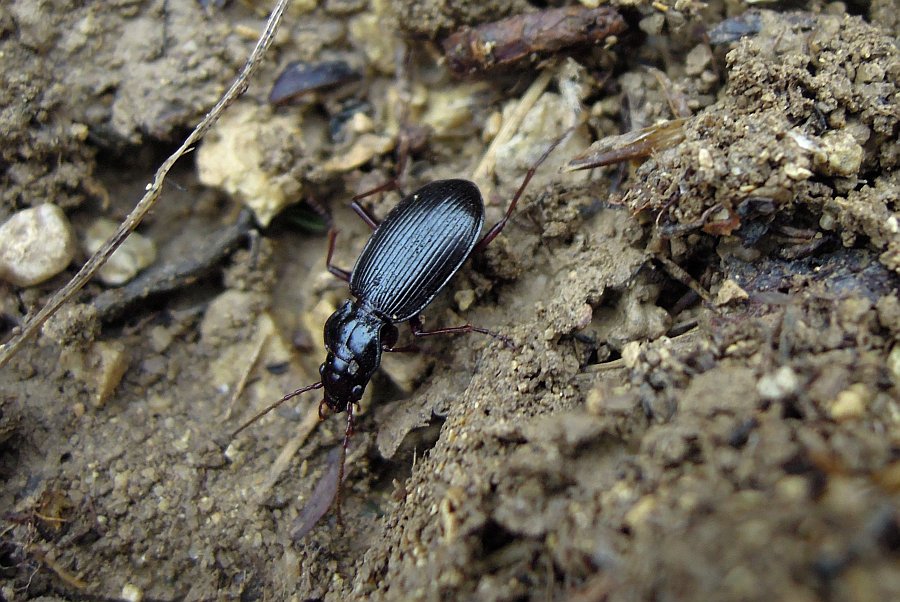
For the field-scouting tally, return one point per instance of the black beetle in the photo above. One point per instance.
(409, 258)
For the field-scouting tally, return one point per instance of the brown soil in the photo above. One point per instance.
(635, 443)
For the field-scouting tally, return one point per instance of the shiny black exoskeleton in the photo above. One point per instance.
(354, 339)
(410, 257)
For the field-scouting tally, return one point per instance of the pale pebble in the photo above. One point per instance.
(35, 245)
(132, 256)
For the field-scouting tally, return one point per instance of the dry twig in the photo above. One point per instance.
(283, 461)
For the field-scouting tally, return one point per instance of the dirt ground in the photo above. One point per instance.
(702, 401)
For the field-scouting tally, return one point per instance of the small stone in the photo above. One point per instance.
(704, 158)
(236, 155)
(228, 314)
(367, 31)
(797, 172)
(869, 71)
(602, 401)
(232, 452)
(120, 481)
(452, 108)
(35, 245)
(793, 488)
(160, 338)
(853, 310)
(892, 224)
(893, 364)
(404, 370)
(111, 361)
(652, 25)
(729, 292)
(640, 513)
(595, 400)
(583, 317)
(888, 308)
(366, 147)
(302, 7)
(361, 123)
(464, 299)
(100, 368)
(132, 593)
(631, 352)
(132, 256)
(850, 403)
(159, 404)
(840, 154)
(778, 385)
(697, 59)
(827, 221)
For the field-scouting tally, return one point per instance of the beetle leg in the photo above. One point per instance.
(416, 324)
(361, 211)
(363, 214)
(389, 185)
(496, 228)
(340, 273)
(340, 484)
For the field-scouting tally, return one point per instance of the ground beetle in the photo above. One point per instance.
(409, 258)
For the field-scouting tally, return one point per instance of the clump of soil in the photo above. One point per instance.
(803, 131)
(701, 400)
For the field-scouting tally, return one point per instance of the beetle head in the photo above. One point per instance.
(353, 340)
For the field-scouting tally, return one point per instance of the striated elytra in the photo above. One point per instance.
(417, 248)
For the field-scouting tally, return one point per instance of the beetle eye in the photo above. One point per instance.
(357, 391)
(322, 370)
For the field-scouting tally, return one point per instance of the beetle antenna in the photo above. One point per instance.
(542, 158)
(317, 385)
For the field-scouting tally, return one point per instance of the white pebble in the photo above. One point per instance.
(35, 245)
(132, 593)
(778, 385)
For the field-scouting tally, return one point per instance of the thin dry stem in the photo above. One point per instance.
(283, 461)
(681, 275)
